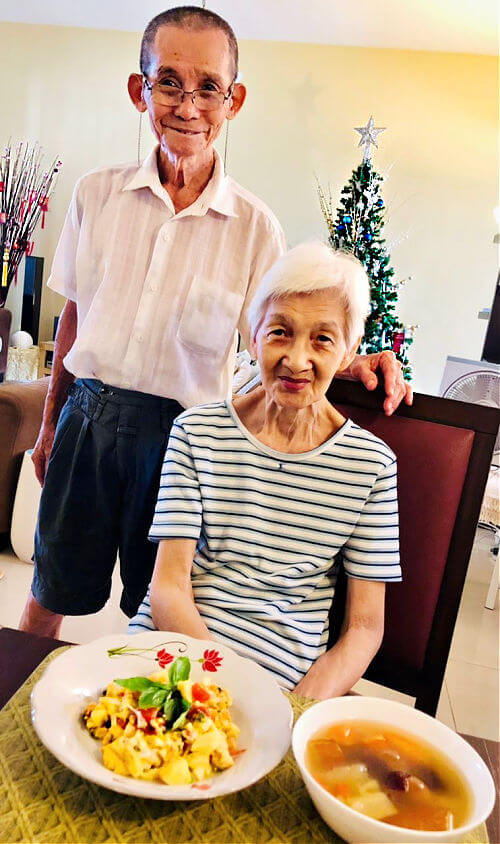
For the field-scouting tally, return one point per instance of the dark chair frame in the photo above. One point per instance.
(425, 685)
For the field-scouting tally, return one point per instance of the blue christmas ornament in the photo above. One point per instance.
(347, 218)
(380, 202)
(368, 236)
(340, 228)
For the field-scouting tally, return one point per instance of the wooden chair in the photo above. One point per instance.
(444, 450)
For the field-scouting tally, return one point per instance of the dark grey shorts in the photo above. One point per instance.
(99, 496)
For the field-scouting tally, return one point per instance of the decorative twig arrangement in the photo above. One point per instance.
(24, 196)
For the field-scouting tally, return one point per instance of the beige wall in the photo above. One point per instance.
(66, 88)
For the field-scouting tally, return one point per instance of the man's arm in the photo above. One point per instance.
(364, 368)
(337, 670)
(59, 383)
(172, 603)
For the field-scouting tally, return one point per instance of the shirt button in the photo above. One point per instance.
(139, 338)
(153, 288)
(127, 385)
(166, 236)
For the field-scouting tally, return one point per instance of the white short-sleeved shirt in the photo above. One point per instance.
(160, 295)
(269, 527)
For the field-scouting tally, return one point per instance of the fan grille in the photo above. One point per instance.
(480, 387)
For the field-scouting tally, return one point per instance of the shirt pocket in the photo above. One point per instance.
(209, 318)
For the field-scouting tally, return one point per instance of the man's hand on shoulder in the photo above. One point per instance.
(364, 368)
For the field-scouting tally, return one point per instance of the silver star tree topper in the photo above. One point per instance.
(368, 136)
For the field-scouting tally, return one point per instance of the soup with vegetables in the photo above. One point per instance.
(389, 775)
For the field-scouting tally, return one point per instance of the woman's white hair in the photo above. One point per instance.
(314, 266)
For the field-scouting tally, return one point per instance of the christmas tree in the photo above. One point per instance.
(357, 227)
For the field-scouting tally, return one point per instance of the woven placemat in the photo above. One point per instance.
(42, 801)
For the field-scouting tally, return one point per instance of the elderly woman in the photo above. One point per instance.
(259, 495)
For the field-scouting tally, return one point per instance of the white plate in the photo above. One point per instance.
(80, 674)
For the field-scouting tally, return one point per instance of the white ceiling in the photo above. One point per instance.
(463, 26)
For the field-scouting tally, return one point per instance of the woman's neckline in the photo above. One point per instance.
(284, 455)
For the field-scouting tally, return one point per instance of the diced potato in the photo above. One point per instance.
(199, 765)
(209, 741)
(171, 747)
(113, 760)
(98, 732)
(376, 805)
(97, 717)
(175, 772)
(368, 786)
(221, 759)
(154, 740)
(114, 690)
(352, 774)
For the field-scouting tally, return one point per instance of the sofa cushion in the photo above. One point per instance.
(21, 408)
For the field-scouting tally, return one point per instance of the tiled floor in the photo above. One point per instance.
(469, 700)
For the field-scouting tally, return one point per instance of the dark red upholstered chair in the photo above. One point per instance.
(443, 449)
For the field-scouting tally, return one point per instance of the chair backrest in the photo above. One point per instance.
(443, 449)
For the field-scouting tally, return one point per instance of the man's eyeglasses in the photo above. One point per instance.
(203, 99)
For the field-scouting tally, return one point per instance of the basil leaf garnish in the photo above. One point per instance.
(169, 709)
(181, 720)
(152, 697)
(179, 670)
(136, 684)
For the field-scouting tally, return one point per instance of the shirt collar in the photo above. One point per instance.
(217, 195)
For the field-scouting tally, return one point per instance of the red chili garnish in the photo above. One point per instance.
(200, 693)
(237, 752)
(121, 722)
(201, 786)
(149, 714)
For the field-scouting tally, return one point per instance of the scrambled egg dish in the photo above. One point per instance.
(149, 744)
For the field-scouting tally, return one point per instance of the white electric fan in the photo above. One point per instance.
(473, 381)
(479, 382)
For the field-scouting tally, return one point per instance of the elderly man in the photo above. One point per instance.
(157, 263)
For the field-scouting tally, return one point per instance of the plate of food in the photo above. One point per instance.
(162, 716)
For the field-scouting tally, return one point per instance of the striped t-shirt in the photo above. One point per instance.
(268, 527)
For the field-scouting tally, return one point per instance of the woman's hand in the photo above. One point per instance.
(318, 683)
(364, 368)
(336, 671)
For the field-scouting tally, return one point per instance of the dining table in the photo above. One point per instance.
(42, 801)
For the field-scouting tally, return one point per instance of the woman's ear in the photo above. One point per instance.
(252, 347)
(349, 355)
(135, 88)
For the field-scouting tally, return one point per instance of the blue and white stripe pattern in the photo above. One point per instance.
(268, 527)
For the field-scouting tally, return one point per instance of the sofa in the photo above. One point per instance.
(21, 408)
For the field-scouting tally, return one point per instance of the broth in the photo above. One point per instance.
(389, 775)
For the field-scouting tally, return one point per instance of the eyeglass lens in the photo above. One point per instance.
(203, 100)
